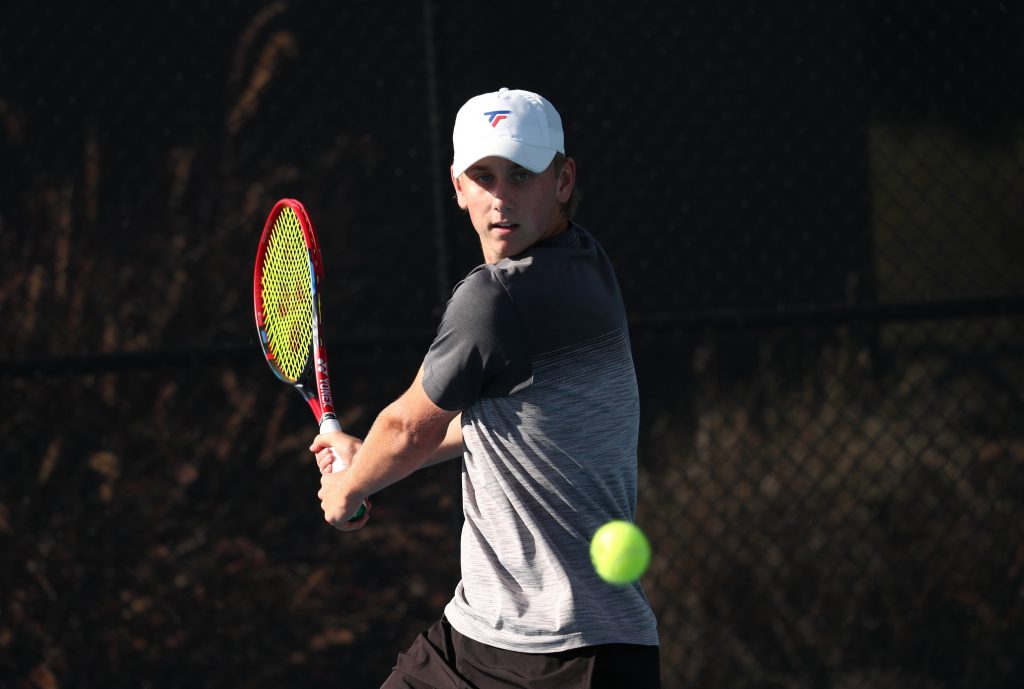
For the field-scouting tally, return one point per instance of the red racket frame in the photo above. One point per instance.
(314, 385)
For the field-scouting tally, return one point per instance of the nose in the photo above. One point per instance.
(502, 195)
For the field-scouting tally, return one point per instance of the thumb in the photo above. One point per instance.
(319, 443)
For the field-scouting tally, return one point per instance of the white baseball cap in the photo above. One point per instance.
(518, 125)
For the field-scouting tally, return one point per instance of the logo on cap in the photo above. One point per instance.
(496, 116)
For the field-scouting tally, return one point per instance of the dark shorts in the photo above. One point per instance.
(441, 658)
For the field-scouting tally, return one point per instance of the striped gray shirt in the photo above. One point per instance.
(535, 351)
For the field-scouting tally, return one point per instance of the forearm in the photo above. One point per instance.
(394, 448)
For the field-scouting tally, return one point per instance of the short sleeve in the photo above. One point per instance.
(480, 349)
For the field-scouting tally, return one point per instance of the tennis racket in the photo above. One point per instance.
(286, 296)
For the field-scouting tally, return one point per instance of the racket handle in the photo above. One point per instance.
(331, 425)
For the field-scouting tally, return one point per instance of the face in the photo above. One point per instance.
(512, 208)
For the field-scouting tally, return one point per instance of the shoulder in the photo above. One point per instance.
(479, 299)
(483, 283)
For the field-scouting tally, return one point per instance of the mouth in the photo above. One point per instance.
(503, 227)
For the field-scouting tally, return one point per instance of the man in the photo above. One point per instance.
(530, 379)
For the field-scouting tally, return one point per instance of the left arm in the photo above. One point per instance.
(451, 446)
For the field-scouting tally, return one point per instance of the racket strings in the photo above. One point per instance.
(286, 283)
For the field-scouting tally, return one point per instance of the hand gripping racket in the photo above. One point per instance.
(286, 296)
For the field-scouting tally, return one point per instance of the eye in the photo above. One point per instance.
(483, 179)
(522, 175)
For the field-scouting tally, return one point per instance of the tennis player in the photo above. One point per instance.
(530, 380)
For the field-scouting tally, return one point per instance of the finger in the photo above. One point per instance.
(341, 461)
(324, 460)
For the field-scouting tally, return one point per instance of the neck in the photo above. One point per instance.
(560, 226)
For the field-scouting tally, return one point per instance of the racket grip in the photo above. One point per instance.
(331, 425)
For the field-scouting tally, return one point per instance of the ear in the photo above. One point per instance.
(566, 181)
(456, 182)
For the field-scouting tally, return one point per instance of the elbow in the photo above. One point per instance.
(411, 439)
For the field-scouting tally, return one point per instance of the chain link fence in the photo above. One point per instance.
(816, 216)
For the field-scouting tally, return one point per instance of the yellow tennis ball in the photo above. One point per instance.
(620, 552)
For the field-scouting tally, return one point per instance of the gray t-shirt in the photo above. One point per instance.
(535, 351)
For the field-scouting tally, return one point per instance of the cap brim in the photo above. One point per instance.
(533, 158)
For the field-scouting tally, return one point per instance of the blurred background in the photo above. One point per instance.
(817, 215)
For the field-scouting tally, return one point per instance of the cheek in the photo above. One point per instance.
(477, 214)
(477, 204)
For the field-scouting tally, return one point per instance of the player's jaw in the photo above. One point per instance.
(498, 238)
(509, 236)
(510, 228)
